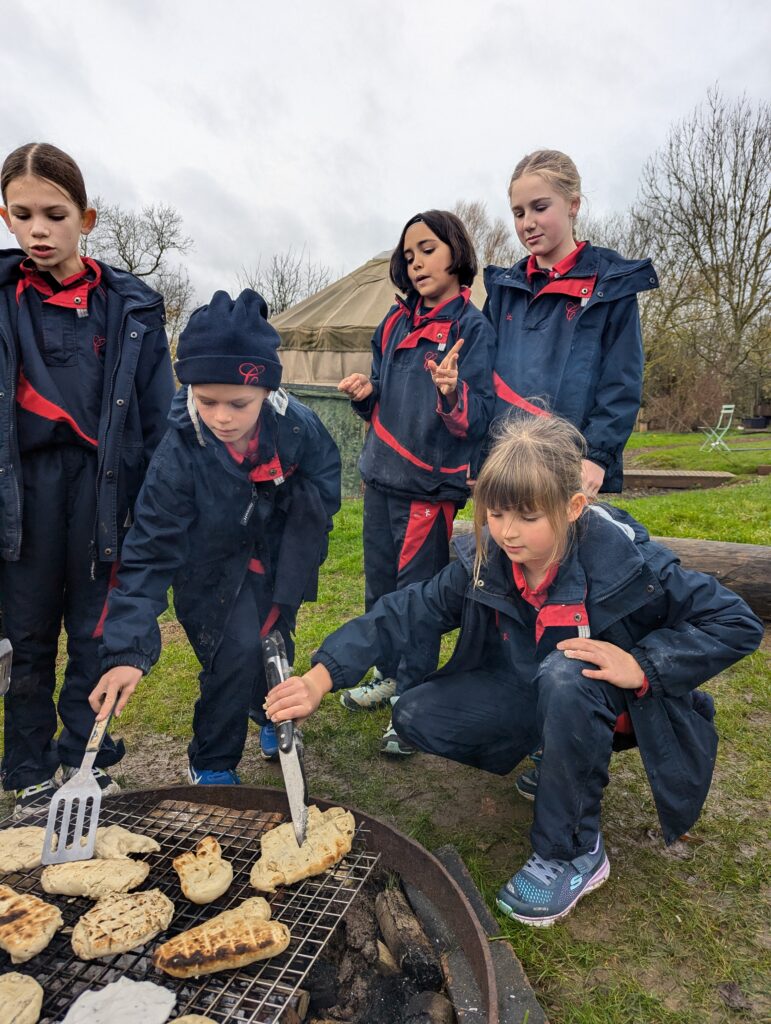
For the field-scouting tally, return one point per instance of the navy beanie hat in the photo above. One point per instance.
(230, 342)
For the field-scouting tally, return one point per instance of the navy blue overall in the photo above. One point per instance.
(86, 383)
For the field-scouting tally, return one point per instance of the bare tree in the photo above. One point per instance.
(143, 243)
(706, 197)
(493, 240)
(286, 279)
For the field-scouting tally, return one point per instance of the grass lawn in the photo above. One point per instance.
(677, 935)
(682, 451)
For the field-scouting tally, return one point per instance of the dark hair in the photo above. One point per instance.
(45, 161)
(448, 229)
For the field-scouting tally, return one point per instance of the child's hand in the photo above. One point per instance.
(114, 688)
(299, 696)
(614, 665)
(592, 476)
(445, 374)
(356, 386)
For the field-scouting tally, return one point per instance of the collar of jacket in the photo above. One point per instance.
(450, 309)
(616, 277)
(136, 294)
(605, 570)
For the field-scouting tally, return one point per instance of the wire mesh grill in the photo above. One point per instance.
(311, 909)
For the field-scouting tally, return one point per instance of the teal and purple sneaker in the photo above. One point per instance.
(545, 891)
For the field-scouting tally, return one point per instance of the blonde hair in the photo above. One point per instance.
(554, 167)
(533, 466)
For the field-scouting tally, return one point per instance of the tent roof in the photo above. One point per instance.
(343, 316)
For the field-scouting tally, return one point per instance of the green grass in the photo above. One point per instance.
(669, 928)
(682, 451)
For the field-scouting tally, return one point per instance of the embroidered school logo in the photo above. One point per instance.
(571, 309)
(99, 343)
(251, 372)
(428, 361)
(509, 316)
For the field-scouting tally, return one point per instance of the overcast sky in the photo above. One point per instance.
(328, 124)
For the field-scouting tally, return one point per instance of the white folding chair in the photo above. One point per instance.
(714, 435)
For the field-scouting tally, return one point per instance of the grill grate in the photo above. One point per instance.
(311, 909)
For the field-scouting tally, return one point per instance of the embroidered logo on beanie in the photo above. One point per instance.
(229, 341)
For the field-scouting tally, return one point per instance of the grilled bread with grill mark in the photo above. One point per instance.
(328, 838)
(193, 1018)
(21, 998)
(94, 878)
(120, 922)
(231, 939)
(203, 874)
(27, 924)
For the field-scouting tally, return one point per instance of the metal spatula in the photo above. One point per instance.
(74, 811)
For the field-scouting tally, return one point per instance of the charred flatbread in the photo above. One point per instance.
(27, 924)
(120, 922)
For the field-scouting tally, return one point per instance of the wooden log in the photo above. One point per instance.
(429, 1008)
(407, 941)
(386, 965)
(743, 568)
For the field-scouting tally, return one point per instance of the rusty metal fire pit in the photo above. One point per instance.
(178, 817)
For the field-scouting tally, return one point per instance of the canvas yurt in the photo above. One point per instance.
(328, 336)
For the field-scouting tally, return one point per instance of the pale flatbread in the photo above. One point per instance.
(20, 999)
(328, 838)
(114, 841)
(203, 874)
(121, 922)
(21, 848)
(27, 924)
(231, 939)
(94, 878)
(193, 1018)
(123, 1002)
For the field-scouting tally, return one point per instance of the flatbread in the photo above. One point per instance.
(123, 1002)
(94, 878)
(114, 841)
(27, 924)
(121, 922)
(21, 848)
(193, 1018)
(231, 939)
(203, 874)
(21, 999)
(328, 838)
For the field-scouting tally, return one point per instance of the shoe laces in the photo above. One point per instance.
(546, 871)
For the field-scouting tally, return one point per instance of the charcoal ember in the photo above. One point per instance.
(361, 927)
(321, 983)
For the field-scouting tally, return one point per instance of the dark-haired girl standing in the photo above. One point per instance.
(85, 387)
(428, 401)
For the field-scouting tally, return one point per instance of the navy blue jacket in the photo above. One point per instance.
(138, 388)
(682, 627)
(199, 521)
(416, 446)
(576, 344)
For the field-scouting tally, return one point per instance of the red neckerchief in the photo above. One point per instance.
(559, 269)
(74, 290)
(538, 595)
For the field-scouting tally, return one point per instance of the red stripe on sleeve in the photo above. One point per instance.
(33, 402)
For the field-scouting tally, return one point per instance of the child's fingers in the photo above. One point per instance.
(455, 350)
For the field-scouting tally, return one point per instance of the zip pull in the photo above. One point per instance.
(92, 549)
(250, 507)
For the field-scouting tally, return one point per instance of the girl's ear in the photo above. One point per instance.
(6, 217)
(576, 505)
(88, 221)
(575, 206)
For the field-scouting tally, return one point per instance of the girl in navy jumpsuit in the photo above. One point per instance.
(85, 387)
(428, 401)
(576, 632)
(566, 320)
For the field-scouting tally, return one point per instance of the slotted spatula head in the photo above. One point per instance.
(73, 815)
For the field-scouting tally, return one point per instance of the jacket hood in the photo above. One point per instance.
(134, 291)
(616, 276)
(607, 552)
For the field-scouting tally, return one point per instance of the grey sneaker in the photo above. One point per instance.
(393, 745)
(106, 782)
(33, 798)
(375, 693)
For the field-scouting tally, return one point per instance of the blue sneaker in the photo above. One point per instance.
(268, 742)
(545, 891)
(209, 777)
